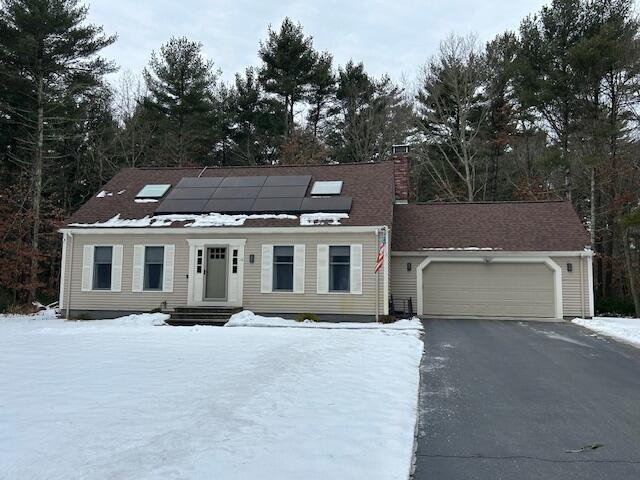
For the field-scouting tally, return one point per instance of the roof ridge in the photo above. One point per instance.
(500, 202)
(232, 167)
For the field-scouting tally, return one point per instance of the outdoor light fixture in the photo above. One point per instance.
(408, 266)
(569, 267)
(252, 258)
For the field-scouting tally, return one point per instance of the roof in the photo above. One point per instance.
(370, 185)
(510, 226)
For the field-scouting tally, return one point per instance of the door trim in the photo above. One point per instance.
(235, 281)
(557, 274)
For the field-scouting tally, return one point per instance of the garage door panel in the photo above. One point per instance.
(495, 289)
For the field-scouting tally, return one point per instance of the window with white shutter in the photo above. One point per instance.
(266, 273)
(322, 268)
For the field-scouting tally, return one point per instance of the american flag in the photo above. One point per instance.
(380, 257)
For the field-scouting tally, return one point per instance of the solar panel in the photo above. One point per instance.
(275, 205)
(256, 181)
(281, 192)
(199, 182)
(237, 192)
(181, 206)
(326, 204)
(229, 205)
(288, 181)
(190, 193)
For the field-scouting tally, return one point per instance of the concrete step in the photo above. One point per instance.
(200, 315)
(214, 310)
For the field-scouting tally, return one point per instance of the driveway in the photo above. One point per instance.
(507, 400)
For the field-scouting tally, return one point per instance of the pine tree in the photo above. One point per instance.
(49, 55)
(322, 89)
(181, 85)
(288, 62)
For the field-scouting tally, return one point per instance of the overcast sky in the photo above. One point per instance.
(390, 36)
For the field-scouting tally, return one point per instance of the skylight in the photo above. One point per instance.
(153, 191)
(327, 188)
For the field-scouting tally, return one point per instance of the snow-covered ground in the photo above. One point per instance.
(623, 329)
(247, 318)
(127, 399)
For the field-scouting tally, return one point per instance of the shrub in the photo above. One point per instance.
(386, 319)
(611, 306)
(301, 317)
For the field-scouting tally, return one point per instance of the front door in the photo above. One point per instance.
(216, 274)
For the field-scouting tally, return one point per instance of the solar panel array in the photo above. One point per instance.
(258, 194)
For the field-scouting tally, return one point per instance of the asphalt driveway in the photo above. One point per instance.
(508, 400)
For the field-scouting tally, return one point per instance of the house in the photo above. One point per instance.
(292, 239)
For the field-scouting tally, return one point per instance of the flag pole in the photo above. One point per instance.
(377, 279)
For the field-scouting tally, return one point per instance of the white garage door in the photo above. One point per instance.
(461, 289)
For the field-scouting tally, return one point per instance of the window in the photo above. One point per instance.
(283, 268)
(327, 188)
(339, 269)
(153, 266)
(153, 191)
(102, 257)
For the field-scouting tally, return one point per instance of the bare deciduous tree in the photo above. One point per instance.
(452, 114)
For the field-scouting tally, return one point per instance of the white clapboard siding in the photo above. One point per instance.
(266, 273)
(116, 268)
(322, 268)
(356, 269)
(137, 281)
(167, 268)
(87, 268)
(298, 268)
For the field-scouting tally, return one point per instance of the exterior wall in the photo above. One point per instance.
(575, 302)
(253, 299)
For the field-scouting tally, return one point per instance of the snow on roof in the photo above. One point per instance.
(213, 220)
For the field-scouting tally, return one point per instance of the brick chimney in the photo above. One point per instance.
(400, 157)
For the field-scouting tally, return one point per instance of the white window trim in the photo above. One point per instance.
(557, 274)
(88, 268)
(138, 271)
(322, 281)
(299, 269)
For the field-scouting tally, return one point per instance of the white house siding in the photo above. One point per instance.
(575, 303)
(253, 299)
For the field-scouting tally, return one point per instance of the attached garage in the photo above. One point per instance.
(521, 260)
(479, 288)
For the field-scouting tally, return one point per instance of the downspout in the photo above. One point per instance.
(582, 309)
(377, 274)
(69, 283)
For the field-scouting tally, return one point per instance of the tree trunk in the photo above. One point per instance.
(594, 224)
(37, 191)
(631, 275)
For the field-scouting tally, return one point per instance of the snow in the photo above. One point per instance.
(246, 318)
(145, 200)
(466, 249)
(322, 218)
(104, 193)
(624, 329)
(195, 220)
(124, 399)
(213, 220)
